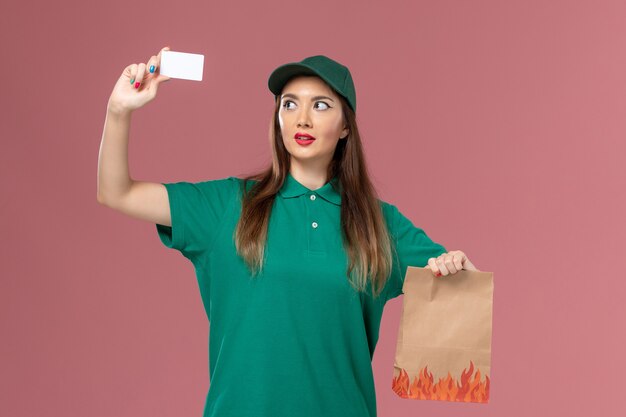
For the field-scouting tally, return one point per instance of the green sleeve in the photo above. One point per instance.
(196, 211)
(412, 248)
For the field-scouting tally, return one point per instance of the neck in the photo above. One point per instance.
(312, 178)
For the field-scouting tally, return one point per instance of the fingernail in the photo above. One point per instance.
(151, 68)
(137, 84)
(132, 81)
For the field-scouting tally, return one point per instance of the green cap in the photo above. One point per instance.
(335, 74)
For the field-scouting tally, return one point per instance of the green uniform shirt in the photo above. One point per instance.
(297, 340)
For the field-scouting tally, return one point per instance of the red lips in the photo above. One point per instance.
(303, 135)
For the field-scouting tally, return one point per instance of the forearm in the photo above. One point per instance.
(113, 173)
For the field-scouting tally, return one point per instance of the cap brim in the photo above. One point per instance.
(280, 76)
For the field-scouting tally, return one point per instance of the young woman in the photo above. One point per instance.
(295, 263)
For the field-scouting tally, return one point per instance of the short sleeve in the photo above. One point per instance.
(412, 248)
(196, 211)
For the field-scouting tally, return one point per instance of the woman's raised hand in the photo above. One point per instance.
(137, 85)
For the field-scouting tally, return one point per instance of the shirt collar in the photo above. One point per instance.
(329, 191)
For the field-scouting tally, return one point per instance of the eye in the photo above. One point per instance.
(321, 102)
(286, 103)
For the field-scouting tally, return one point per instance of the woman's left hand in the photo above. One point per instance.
(450, 263)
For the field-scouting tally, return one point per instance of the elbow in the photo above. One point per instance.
(100, 199)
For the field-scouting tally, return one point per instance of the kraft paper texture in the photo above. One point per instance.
(443, 350)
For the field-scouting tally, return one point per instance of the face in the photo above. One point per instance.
(308, 105)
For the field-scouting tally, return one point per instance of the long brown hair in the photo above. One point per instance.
(365, 236)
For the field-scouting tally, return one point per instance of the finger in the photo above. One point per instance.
(162, 78)
(448, 261)
(132, 72)
(156, 61)
(433, 267)
(141, 69)
(458, 261)
(441, 265)
(153, 88)
(158, 57)
(152, 65)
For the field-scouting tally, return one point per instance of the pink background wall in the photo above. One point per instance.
(497, 126)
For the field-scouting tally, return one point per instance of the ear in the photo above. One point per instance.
(344, 133)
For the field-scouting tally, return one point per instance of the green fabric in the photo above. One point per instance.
(296, 340)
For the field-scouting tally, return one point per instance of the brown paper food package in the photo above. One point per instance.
(444, 340)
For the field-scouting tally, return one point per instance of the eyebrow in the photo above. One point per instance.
(312, 98)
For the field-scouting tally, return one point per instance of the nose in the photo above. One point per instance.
(303, 119)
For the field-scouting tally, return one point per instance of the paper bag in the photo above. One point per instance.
(444, 341)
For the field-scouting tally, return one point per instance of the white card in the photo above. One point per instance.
(182, 65)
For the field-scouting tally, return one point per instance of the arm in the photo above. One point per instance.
(142, 200)
(413, 247)
(116, 189)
